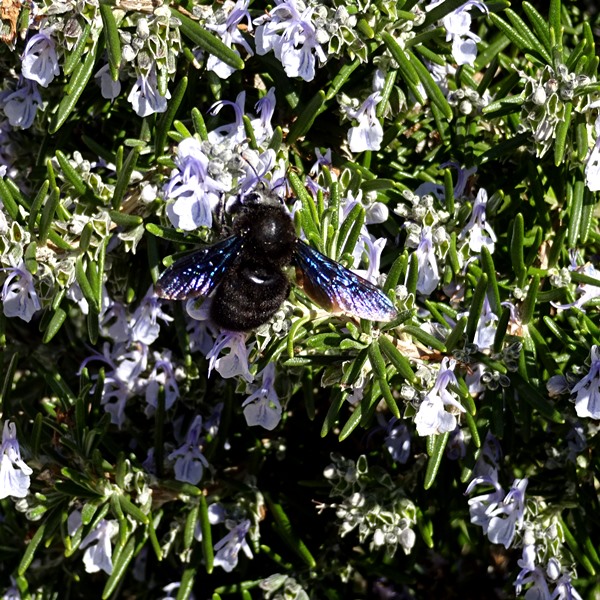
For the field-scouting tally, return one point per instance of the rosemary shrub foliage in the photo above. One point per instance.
(455, 151)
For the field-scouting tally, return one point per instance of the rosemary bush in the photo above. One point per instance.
(448, 151)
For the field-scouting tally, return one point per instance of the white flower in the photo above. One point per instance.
(14, 473)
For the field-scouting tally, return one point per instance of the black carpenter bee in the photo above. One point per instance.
(247, 271)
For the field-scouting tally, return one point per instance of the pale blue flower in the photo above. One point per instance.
(235, 131)
(39, 62)
(162, 375)
(21, 106)
(145, 97)
(478, 232)
(263, 407)
(564, 589)
(261, 125)
(19, 298)
(397, 440)
(289, 32)
(109, 88)
(428, 275)
(211, 425)
(115, 321)
(506, 518)
(458, 30)
(368, 134)
(189, 460)
(432, 417)
(124, 379)
(14, 473)
(592, 164)
(587, 389)
(312, 180)
(235, 363)
(194, 192)
(485, 331)
(11, 593)
(499, 515)
(456, 448)
(98, 555)
(228, 548)
(462, 177)
(171, 591)
(479, 506)
(373, 249)
(532, 573)
(229, 33)
(488, 463)
(144, 325)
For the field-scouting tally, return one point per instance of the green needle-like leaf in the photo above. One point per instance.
(79, 80)
(208, 41)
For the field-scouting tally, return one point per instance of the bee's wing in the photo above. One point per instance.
(338, 289)
(198, 273)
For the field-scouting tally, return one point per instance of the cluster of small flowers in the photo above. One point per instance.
(282, 587)
(18, 295)
(206, 170)
(507, 519)
(371, 503)
(368, 133)
(468, 100)
(545, 100)
(98, 543)
(134, 368)
(428, 230)
(150, 53)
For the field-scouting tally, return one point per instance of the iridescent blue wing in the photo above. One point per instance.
(338, 289)
(198, 273)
